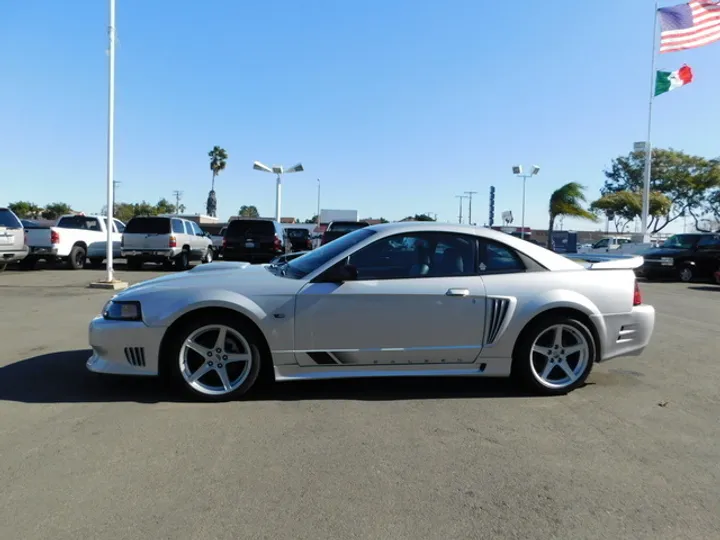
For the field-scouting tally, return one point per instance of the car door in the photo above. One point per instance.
(417, 300)
(707, 255)
(118, 230)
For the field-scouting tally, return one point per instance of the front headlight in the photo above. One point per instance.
(116, 310)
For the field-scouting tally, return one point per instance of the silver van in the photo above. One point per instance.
(172, 241)
(12, 238)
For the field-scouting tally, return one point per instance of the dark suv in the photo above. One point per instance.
(254, 240)
(299, 239)
(687, 257)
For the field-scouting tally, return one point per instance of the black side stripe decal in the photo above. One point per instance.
(322, 358)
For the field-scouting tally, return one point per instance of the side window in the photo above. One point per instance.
(709, 242)
(499, 259)
(196, 228)
(416, 255)
(177, 226)
(602, 243)
(119, 226)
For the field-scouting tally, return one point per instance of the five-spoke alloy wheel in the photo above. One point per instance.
(215, 358)
(554, 355)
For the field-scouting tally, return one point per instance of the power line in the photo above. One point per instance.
(470, 195)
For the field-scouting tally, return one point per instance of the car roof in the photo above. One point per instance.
(545, 257)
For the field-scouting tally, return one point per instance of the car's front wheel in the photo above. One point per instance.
(215, 358)
(686, 274)
(554, 355)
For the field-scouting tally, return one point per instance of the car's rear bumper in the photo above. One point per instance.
(249, 256)
(123, 347)
(13, 255)
(150, 255)
(43, 251)
(627, 334)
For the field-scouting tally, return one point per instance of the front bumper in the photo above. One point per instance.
(658, 269)
(124, 347)
(627, 334)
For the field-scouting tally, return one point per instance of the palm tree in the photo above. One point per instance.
(567, 202)
(218, 160)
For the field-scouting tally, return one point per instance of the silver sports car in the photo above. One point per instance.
(401, 299)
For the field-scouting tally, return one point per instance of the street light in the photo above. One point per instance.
(518, 171)
(279, 171)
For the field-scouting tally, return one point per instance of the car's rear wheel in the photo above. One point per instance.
(686, 274)
(76, 259)
(216, 358)
(182, 262)
(554, 355)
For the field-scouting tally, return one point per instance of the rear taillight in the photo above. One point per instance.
(637, 297)
(277, 243)
(172, 242)
(224, 242)
(54, 237)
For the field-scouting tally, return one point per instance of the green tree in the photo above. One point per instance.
(419, 217)
(55, 210)
(164, 206)
(248, 211)
(25, 209)
(625, 206)
(218, 161)
(687, 181)
(312, 219)
(567, 201)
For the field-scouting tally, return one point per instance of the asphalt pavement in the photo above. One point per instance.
(634, 454)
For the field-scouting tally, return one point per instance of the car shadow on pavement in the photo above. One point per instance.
(63, 378)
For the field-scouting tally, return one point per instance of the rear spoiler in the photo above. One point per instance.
(608, 262)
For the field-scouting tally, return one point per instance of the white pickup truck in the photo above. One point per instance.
(75, 239)
(617, 245)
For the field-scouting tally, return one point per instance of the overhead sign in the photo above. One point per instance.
(507, 216)
(640, 147)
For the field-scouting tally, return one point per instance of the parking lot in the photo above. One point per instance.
(634, 454)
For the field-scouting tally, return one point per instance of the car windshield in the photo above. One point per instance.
(298, 233)
(148, 225)
(681, 241)
(8, 220)
(311, 261)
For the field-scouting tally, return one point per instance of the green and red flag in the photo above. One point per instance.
(671, 80)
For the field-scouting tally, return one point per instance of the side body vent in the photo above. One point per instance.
(497, 311)
(135, 356)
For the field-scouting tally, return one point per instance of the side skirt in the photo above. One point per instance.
(489, 367)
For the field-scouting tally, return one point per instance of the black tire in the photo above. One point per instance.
(76, 259)
(3, 266)
(686, 274)
(525, 364)
(28, 263)
(96, 262)
(182, 261)
(180, 335)
(133, 264)
(209, 256)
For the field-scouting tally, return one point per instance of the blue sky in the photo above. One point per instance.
(396, 105)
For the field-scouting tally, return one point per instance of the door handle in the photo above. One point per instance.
(457, 292)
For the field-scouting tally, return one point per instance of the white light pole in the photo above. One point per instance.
(111, 142)
(518, 171)
(318, 208)
(279, 171)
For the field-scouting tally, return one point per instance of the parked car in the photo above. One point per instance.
(299, 239)
(217, 241)
(400, 299)
(12, 238)
(685, 257)
(254, 240)
(617, 244)
(336, 229)
(717, 277)
(172, 241)
(75, 239)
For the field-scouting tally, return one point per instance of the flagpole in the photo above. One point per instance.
(648, 143)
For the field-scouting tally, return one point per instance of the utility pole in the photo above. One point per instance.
(178, 195)
(318, 204)
(470, 195)
(460, 197)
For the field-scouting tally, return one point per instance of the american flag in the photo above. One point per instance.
(690, 25)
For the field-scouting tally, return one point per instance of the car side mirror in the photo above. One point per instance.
(340, 274)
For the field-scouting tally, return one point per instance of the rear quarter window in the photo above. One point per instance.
(80, 222)
(148, 225)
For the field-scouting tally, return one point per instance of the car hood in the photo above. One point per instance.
(663, 252)
(240, 277)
